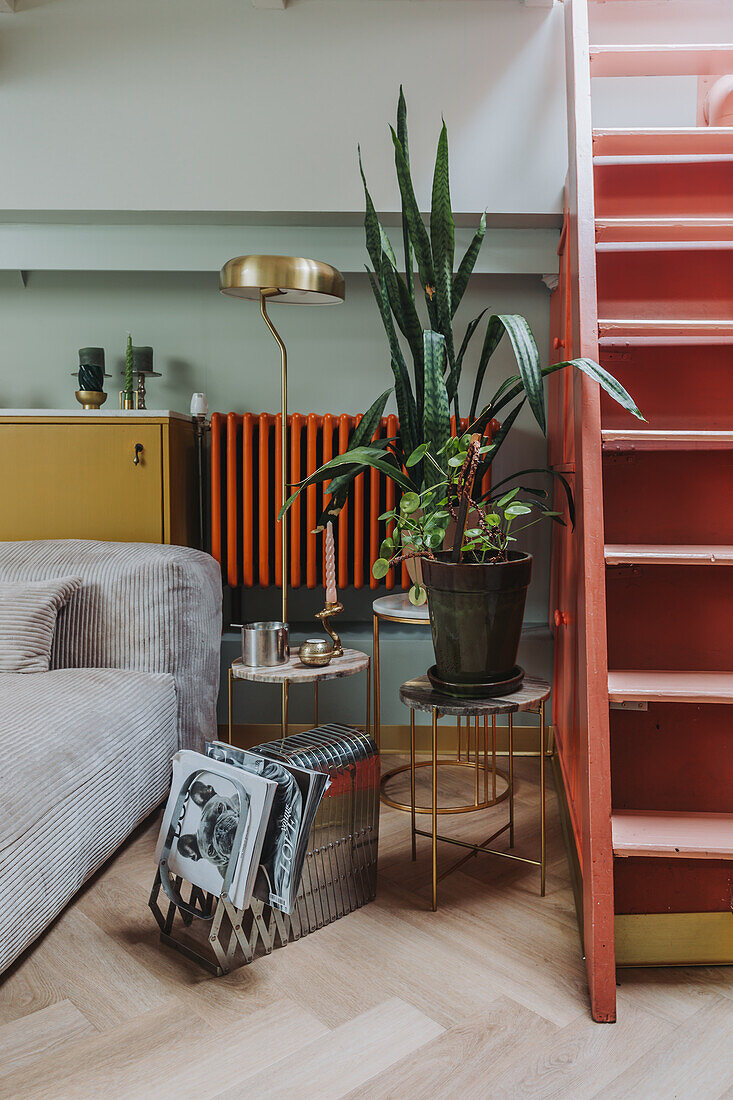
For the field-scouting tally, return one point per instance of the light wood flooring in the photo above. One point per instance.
(485, 998)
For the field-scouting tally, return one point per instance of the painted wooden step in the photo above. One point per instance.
(665, 246)
(629, 233)
(661, 60)
(640, 554)
(667, 835)
(683, 141)
(655, 686)
(656, 440)
(628, 332)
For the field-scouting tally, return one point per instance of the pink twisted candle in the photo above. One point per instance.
(330, 566)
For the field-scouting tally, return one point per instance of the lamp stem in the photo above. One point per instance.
(266, 293)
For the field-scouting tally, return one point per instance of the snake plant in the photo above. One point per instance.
(426, 396)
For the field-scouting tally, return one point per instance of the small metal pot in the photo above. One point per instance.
(264, 643)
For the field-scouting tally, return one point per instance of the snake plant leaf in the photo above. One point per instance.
(467, 264)
(372, 229)
(593, 370)
(454, 376)
(402, 135)
(403, 392)
(528, 361)
(387, 247)
(406, 316)
(360, 458)
(608, 383)
(436, 411)
(492, 337)
(418, 233)
(442, 241)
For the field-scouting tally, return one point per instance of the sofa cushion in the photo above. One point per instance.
(28, 612)
(85, 757)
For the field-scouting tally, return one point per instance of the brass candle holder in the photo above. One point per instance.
(325, 616)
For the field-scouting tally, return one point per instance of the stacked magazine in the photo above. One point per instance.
(241, 818)
(297, 798)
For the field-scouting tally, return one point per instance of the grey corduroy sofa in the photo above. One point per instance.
(85, 748)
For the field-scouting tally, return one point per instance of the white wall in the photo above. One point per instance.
(216, 105)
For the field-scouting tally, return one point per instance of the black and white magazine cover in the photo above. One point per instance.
(298, 796)
(216, 799)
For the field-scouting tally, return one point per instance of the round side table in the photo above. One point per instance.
(418, 694)
(293, 671)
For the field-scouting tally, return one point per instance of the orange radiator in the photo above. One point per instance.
(246, 497)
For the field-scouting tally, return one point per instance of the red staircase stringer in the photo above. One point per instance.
(592, 795)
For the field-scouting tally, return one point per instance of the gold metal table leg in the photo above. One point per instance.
(493, 756)
(284, 716)
(377, 686)
(543, 838)
(511, 780)
(231, 681)
(412, 784)
(435, 808)
(367, 728)
(475, 781)
(315, 702)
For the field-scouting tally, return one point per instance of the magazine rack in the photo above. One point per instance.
(339, 875)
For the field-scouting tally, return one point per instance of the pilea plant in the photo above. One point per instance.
(483, 528)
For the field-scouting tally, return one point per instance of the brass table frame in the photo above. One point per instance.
(328, 672)
(434, 763)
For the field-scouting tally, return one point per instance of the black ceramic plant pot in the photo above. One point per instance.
(476, 613)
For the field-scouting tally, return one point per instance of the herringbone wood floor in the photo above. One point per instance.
(486, 998)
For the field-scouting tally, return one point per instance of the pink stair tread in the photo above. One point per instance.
(632, 332)
(655, 686)
(667, 834)
(641, 554)
(672, 440)
(661, 60)
(689, 141)
(673, 231)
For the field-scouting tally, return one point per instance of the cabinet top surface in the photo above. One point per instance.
(93, 414)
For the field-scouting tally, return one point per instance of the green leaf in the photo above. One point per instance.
(607, 382)
(403, 391)
(517, 509)
(372, 228)
(528, 361)
(507, 498)
(456, 461)
(410, 503)
(385, 550)
(380, 568)
(436, 411)
(455, 375)
(403, 308)
(418, 233)
(492, 337)
(467, 264)
(418, 595)
(362, 434)
(402, 135)
(541, 470)
(360, 458)
(442, 241)
(417, 455)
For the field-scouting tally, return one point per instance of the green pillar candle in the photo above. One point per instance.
(142, 360)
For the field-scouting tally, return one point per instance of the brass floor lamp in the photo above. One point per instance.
(295, 280)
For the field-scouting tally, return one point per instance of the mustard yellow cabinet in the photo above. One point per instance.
(119, 478)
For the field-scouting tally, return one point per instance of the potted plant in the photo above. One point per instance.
(423, 459)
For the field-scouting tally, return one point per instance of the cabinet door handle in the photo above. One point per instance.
(138, 451)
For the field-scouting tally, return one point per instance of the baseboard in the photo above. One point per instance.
(576, 877)
(396, 738)
(674, 939)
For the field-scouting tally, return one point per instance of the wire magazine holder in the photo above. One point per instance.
(339, 874)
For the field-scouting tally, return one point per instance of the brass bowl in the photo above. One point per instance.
(91, 399)
(316, 652)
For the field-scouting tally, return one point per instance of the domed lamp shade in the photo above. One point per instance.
(286, 279)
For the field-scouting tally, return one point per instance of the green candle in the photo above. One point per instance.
(128, 366)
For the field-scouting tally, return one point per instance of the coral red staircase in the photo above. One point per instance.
(644, 619)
